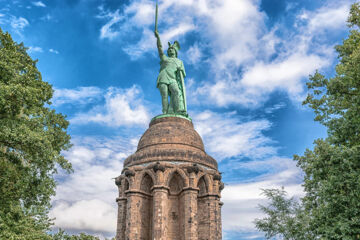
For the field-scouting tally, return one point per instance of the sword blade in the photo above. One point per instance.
(156, 18)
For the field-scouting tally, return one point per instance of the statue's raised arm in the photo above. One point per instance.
(158, 43)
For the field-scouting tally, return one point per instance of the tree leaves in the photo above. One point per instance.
(330, 208)
(31, 138)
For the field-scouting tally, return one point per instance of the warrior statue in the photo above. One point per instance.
(170, 81)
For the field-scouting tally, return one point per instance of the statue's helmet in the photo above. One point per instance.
(175, 46)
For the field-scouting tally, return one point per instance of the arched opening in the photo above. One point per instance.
(146, 183)
(176, 184)
(146, 208)
(203, 210)
(127, 185)
(202, 186)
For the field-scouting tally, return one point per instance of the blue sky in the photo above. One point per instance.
(247, 62)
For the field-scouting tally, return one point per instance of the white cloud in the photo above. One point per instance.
(249, 83)
(85, 200)
(139, 16)
(276, 106)
(194, 54)
(18, 23)
(227, 136)
(241, 200)
(39, 4)
(53, 51)
(47, 17)
(137, 50)
(108, 31)
(248, 60)
(35, 49)
(94, 215)
(80, 95)
(122, 108)
(328, 17)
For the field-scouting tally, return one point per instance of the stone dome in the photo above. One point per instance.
(170, 139)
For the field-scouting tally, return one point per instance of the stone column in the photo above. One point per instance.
(121, 220)
(133, 220)
(189, 196)
(219, 224)
(160, 200)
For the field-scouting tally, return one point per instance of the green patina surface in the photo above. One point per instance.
(170, 81)
(171, 115)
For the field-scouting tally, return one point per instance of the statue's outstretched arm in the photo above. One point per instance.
(158, 43)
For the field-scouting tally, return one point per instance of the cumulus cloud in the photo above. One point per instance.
(85, 200)
(248, 60)
(241, 146)
(35, 49)
(249, 83)
(94, 215)
(194, 54)
(332, 17)
(39, 4)
(275, 107)
(262, 78)
(122, 107)
(18, 23)
(79, 95)
(108, 31)
(53, 51)
(241, 200)
(138, 17)
(225, 135)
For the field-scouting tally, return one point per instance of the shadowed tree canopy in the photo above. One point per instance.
(330, 208)
(32, 135)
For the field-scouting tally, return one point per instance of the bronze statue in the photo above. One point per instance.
(171, 77)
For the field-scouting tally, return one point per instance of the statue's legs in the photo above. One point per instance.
(175, 96)
(164, 97)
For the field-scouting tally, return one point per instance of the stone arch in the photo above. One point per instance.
(203, 189)
(141, 175)
(203, 206)
(146, 183)
(176, 183)
(144, 204)
(169, 174)
(126, 184)
(207, 180)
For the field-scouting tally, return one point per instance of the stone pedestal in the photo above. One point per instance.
(169, 188)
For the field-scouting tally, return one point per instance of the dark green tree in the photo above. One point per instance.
(330, 208)
(32, 135)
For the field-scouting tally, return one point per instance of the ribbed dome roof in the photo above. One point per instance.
(171, 130)
(170, 139)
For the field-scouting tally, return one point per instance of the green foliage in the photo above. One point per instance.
(31, 138)
(61, 235)
(332, 169)
(285, 217)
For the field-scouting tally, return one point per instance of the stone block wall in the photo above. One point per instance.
(169, 200)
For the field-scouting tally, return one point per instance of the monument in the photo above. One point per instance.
(169, 189)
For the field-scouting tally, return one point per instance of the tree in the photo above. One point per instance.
(32, 135)
(285, 217)
(331, 203)
(61, 235)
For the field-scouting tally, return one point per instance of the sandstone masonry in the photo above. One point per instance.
(169, 188)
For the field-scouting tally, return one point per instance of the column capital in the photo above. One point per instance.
(121, 199)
